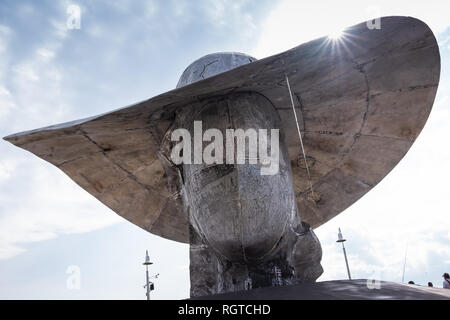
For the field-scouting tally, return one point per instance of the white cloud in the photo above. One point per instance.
(5, 33)
(5, 30)
(25, 73)
(216, 11)
(38, 202)
(36, 87)
(231, 14)
(25, 11)
(9, 251)
(444, 42)
(151, 8)
(46, 205)
(95, 30)
(5, 36)
(6, 101)
(180, 8)
(6, 168)
(121, 6)
(45, 54)
(59, 28)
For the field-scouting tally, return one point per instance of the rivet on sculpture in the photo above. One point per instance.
(361, 102)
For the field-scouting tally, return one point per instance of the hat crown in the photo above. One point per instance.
(213, 64)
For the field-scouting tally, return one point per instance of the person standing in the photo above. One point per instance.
(446, 284)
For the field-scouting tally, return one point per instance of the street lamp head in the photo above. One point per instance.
(340, 237)
(147, 259)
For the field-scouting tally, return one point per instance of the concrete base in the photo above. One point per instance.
(337, 290)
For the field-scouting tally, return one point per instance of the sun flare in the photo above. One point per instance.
(336, 34)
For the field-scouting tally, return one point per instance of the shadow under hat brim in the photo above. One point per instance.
(362, 100)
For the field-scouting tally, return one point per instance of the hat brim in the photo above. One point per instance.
(362, 100)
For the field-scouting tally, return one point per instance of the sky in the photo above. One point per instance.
(128, 51)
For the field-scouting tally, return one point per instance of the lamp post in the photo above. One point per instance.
(148, 284)
(342, 240)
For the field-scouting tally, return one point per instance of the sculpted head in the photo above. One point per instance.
(237, 178)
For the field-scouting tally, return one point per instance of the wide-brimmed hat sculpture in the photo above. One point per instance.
(320, 125)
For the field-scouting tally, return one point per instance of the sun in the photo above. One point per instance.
(336, 34)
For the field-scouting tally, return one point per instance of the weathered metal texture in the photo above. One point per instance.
(244, 224)
(213, 64)
(241, 213)
(362, 102)
(296, 256)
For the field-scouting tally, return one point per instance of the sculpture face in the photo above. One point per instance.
(240, 213)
